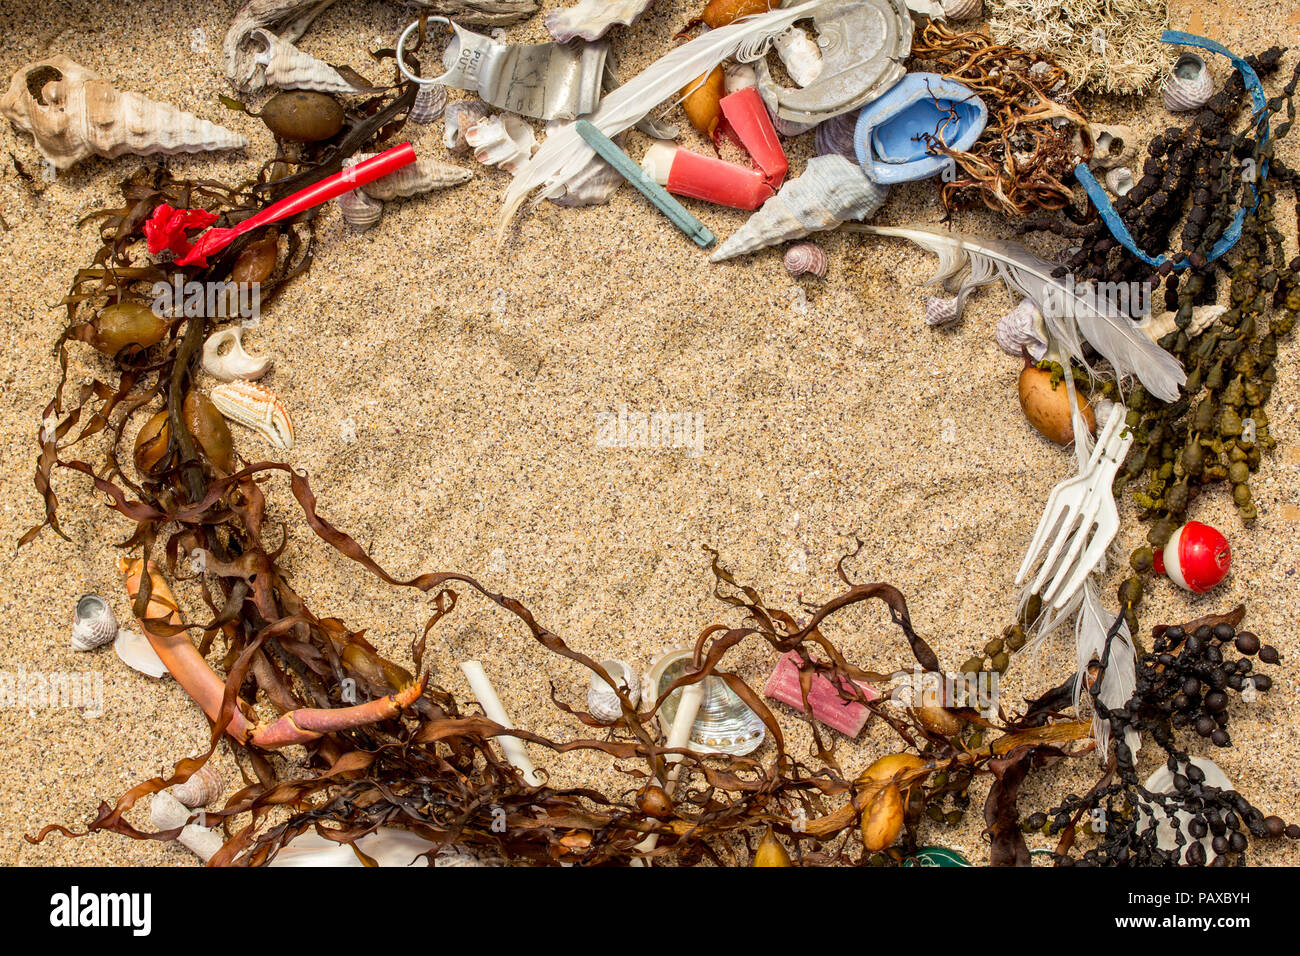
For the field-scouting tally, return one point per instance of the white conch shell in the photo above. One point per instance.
(257, 408)
(962, 9)
(1022, 327)
(592, 19)
(799, 54)
(940, 311)
(725, 723)
(204, 786)
(805, 258)
(457, 116)
(79, 114)
(358, 210)
(93, 623)
(135, 651)
(1189, 84)
(233, 363)
(421, 176)
(168, 813)
(1156, 327)
(830, 191)
(290, 69)
(1119, 180)
(429, 103)
(1112, 145)
(504, 141)
(602, 701)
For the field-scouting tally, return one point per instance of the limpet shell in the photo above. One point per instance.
(725, 724)
(93, 623)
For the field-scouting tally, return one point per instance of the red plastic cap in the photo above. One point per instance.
(1197, 558)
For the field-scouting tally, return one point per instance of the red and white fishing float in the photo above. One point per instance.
(1196, 558)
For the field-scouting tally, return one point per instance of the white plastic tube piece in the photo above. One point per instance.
(512, 747)
(688, 708)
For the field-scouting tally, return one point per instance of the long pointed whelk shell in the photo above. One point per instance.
(602, 702)
(290, 69)
(831, 190)
(204, 785)
(93, 623)
(1022, 328)
(421, 176)
(504, 141)
(257, 408)
(358, 210)
(76, 113)
(1189, 84)
(224, 357)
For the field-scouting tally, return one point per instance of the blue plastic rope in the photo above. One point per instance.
(1230, 235)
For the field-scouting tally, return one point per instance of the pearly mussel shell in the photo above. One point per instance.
(504, 141)
(224, 357)
(1189, 84)
(805, 258)
(725, 724)
(289, 68)
(962, 9)
(831, 190)
(458, 116)
(257, 408)
(1022, 328)
(93, 623)
(421, 176)
(1119, 180)
(359, 210)
(79, 114)
(204, 786)
(602, 701)
(430, 102)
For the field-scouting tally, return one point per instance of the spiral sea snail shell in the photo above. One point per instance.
(805, 258)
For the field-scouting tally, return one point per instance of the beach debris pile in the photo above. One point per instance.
(391, 765)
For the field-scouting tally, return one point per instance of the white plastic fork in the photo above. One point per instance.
(1080, 511)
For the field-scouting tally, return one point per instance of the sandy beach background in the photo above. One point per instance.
(446, 397)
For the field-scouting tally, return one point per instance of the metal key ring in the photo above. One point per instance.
(401, 59)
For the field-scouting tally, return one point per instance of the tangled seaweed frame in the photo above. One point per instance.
(433, 771)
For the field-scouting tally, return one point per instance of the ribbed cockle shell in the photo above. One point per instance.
(203, 786)
(429, 103)
(805, 258)
(93, 623)
(257, 408)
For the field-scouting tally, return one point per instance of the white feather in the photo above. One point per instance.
(1120, 679)
(564, 154)
(966, 264)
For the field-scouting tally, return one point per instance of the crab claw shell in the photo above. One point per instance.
(233, 363)
(504, 141)
(257, 408)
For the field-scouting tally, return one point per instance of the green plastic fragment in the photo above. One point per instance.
(936, 856)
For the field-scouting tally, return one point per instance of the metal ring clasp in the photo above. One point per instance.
(401, 59)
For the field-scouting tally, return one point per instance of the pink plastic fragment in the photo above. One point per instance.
(716, 181)
(751, 123)
(827, 706)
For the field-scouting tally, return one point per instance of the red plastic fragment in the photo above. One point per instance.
(166, 228)
(748, 118)
(827, 706)
(717, 181)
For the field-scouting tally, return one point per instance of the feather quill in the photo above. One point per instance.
(1120, 679)
(564, 155)
(966, 263)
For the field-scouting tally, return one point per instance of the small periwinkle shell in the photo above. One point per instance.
(1189, 84)
(1119, 180)
(1021, 329)
(602, 701)
(203, 786)
(805, 258)
(124, 324)
(359, 210)
(93, 623)
(303, 116)
(962, 9)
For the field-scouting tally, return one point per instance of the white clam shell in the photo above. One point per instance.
(257, 408)
(289, 68)
(204, 786)
(1189, 84)
(602, 702)
(725, 724)
(830, 191)
(805, 258)
(168, 813)
(1162, 781)
(1022, 328)
(93, 623)
(504, 141)
(359, 210)
(135, 651)
(458, 116)
(429, 103)
(79, 114)
(1119, 180)
(224, 357)
(421, 176)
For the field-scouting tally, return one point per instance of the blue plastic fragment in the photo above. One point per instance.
(890, 138)
(1230, 235)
